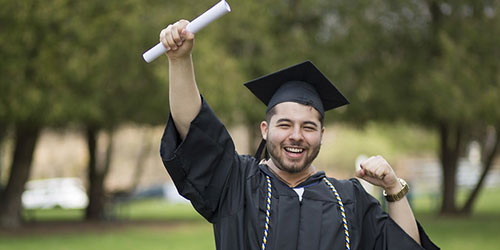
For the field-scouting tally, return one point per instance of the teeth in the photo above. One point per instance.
(294, 150)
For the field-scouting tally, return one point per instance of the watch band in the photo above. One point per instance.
(398, 196)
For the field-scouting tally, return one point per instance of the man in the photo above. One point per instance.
(281, 202)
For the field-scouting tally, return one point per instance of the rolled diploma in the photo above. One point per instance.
(194, 26)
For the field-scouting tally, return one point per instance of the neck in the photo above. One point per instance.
(291, 179)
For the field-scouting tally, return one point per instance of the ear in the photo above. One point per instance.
(322, 133)
(263, 129)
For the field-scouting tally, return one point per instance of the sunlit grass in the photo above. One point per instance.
(187, 236)
(479, 231)
(149, 209)
(55, 214)
(189, 231)
(159, 209)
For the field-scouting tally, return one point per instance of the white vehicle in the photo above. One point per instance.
(67, 193)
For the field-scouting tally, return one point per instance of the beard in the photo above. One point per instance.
(291, 166)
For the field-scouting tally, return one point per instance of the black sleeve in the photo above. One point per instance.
(200, 164)
(379, 230)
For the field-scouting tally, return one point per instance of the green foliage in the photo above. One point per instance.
(80, 61)
(111, 80)
(29, 60)
(68, 61)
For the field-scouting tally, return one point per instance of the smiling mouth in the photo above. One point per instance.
(294, 150)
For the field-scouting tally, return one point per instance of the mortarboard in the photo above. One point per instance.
(302, 83)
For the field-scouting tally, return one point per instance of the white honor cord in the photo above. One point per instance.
(194, 26)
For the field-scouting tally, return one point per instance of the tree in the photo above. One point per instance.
(432, 63)
(72, 63)
(28, 100)
(111, 84)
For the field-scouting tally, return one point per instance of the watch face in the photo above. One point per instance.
(403, 182)
(398, 196)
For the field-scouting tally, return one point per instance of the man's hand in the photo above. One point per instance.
(178, 41)
(377, 171)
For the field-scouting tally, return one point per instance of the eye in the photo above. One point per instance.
(284, 125)
(309, 128)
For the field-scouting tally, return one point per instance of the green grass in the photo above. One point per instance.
(56, 214)
(154, 224)
(147, 224)
(480, 231)
(188, 236)
(157, 210)
(152, 209)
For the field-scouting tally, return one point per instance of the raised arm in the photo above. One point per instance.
(378, 172)
(184, 96)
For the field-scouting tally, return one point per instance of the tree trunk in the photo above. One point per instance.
(451, 145)
(141, 159)
(97, 171)
(3, 135)
(488, 155)
(26, 137)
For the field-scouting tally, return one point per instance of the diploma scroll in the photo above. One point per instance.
(194, 26)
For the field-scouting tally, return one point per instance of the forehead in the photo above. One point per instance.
(295, 112)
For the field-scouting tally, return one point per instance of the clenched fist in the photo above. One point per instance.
(377, 171)
(177, 39)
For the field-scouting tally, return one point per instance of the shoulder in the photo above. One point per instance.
(352, 184)
(252, 164)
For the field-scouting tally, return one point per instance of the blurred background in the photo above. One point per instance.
(81, 113)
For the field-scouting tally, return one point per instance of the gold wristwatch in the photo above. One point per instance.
(398, 196)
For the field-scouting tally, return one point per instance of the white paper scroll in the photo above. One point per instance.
(194, 26)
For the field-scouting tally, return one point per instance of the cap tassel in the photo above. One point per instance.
(260, 149)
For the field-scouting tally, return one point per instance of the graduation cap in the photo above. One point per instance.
(302, 83)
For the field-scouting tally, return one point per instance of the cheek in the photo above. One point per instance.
(314, 138)
(276, 135)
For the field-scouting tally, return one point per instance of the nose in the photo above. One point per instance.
(296, 134)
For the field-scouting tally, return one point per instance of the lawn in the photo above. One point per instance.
(479, 231)
(158, 225)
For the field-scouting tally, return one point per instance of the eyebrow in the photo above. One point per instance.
(311, 123)
(283, 120)
(288, 120)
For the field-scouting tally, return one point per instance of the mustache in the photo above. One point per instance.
(296, 144)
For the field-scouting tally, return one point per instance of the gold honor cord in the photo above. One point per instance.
(342, 212)
(268, 213)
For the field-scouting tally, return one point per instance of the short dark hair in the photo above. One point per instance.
(272, 112)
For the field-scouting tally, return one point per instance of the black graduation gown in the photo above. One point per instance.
(230, 190)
